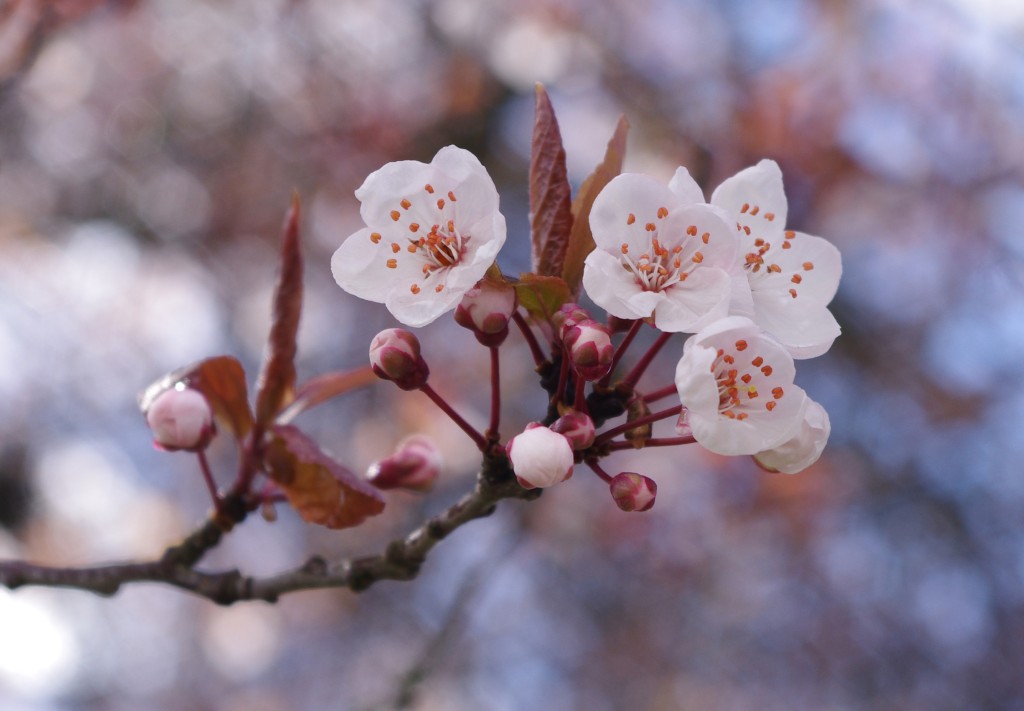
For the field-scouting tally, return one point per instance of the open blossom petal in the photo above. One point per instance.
(804, 447)
(432, 231)
(661, 252)
(792, 276)
(736, 384)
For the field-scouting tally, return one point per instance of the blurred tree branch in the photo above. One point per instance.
(400, 561)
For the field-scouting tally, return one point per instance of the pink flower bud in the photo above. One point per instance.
(540, 457)
(576, 427)
(486, 310)
(414, 465)
(395, 356)
(590, 349)
(567, 316)
(633, 492)
(181, 419)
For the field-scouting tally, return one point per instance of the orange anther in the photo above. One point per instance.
(741, 345)
(751, 392)
(746, 230)
(395, 215)
(786, 245)
(414, 289)
(692, 230)
(439, 288)
(755, 210)
(746, 206)
(774, 268)
(625, 248)
(729, 359)
(777, 393)
(414, 227)
(741, 416)
(395, 247)
(413, 246)
(631, 219)
(392, 264)
(650, 227)
(769, 216)
(662, 212)
(405, 204)
(375, 237)
(451, 196)
(698, 257)
(705, 237)
(796, 279)
(770, 405)
(757, 362)
(440, 203)
(792, 292)
(790, 234)
(808, 266)
(429, 188)
(746, 377)
(767, 370)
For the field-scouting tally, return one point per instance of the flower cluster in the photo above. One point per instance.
(753, 294)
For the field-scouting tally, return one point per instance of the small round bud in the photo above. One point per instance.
(540, 457)
(567, 316)
(576, 427)
(415, 465)
(181, 419)
(633, 492)
(486, 310)
(395, 356)
(590, 349)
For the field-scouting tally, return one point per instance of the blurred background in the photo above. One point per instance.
(148, 151)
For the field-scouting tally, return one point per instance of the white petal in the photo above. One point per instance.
(721, 247)
(628, 194)
(758, 186)
(741, 303)
(614, 289)
(816, 261)
(686, 188)
(359, 267)
(755, 434)
(803, 448)
(695, 382)
(688, 306)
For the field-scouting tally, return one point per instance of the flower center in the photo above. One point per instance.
(661, 266)
(762, 270)
(741, 377)
(437, 249)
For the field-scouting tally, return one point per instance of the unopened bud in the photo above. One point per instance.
(486, 310)
(181, 419)
(540, 457)
(567, 316)
(415, 465)
(576, 427)
(395, 356)
(590, 349)
(633, 492)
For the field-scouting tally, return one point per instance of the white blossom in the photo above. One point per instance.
(792, 276)
(432, 230)
(804, 447)
(662, 252)
(736, 385)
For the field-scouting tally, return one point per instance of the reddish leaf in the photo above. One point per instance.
(221, 380)
(276, 382)
(319, 488)
(581, 240)
(324, 387)
(542, 296)
(550, 193)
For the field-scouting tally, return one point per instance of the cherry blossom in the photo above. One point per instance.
(432, 230)
(792, 276)
(805, 445)
(736, 385)
(662, 252)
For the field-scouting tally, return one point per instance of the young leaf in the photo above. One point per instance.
(221, 380)
(276, 382)
(550, 193)
(320, 489)
(542, 296)
(581, 240)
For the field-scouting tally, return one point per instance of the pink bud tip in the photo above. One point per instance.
(567, 316)
(415, 465)
(181, 419)
(395, 356)
(633, 492)
(590, 348)
(486, 310)
(577, 427)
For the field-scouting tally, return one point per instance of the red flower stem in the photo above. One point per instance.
(580, 401)
(531, 339)
(656, 442)
(492, 429)
(605, 476)
(634, 375)
(659, 394)
(621, 350)
(563, 376)
(208, 478)
(478, 438)
(626, 426)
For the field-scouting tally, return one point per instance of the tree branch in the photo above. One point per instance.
(400, 561)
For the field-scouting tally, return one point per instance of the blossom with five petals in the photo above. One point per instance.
(432, 230)
(736, 385)
(662, 252)
(792, 276)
